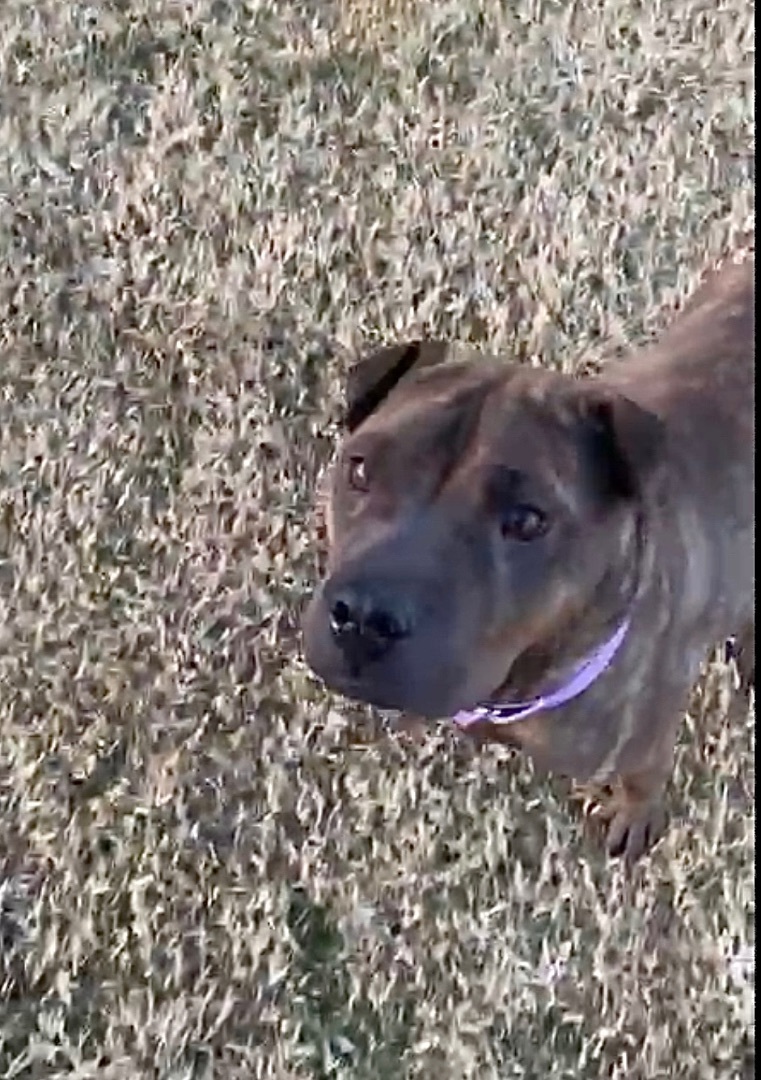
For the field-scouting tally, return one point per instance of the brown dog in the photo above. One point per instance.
(548, 559)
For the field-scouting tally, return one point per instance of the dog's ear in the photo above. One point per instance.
(626, 440)
(372, 379)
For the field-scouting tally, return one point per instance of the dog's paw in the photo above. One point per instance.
(634, 828)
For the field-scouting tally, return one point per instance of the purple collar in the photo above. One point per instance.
(582, 676)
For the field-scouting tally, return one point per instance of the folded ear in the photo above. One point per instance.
(626, 440)
(372, 379)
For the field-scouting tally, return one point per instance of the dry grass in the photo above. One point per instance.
(208, 867)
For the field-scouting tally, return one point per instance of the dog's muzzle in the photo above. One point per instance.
(366, 625)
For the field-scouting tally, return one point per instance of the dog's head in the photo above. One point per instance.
(476, 511)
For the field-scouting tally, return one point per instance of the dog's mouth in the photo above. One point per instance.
(440, 698)
(509, 688)
(488, 703)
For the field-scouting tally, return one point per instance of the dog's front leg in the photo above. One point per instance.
(636, 813)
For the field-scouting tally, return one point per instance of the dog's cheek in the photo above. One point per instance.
(534, 620)
(527, 586)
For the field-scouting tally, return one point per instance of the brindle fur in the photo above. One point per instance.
(648, 473)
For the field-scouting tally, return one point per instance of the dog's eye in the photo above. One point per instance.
(523, 522)
(356, 471)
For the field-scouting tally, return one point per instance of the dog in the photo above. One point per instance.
(546, 558)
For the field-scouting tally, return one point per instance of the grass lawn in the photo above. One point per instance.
(211, 869)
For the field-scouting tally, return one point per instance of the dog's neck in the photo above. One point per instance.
(585, 672)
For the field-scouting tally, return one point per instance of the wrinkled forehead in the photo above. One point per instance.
(526, 418)
(436, 396)
(509, 411)
(480, 419)
(527, 431)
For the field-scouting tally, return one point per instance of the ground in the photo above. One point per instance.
(209, 866)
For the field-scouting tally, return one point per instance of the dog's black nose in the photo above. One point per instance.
(365, 625)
